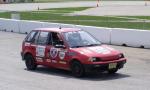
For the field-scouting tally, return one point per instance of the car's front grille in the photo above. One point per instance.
(110, 58)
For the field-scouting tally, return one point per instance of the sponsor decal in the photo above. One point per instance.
(82, 52)
(62, 55)
(85, 51)
(62, 62)
(40, 51)
(53, 52)
(109, 48)
(71, 53)
(54, 61)
(27, 44)
(33, 45)
(39, 59)
(48, 60)
(100, 50)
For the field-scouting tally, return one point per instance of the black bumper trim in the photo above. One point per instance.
(101, 67)
(22, 55)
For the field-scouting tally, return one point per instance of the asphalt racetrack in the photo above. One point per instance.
(119, 8)
(14, 76)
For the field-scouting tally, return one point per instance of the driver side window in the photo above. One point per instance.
(30, 38)
(43, 38)
(55, 38)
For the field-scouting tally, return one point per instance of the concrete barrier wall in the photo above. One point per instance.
(100, 33)
(9, 25)
(116, 36)
(56, 25)
(50, 25)
(27, 26)
(130, 37)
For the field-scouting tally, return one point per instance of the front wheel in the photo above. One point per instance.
(30, 62)
(77, 69)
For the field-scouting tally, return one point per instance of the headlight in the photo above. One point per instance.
(94, 59)
(121, 55)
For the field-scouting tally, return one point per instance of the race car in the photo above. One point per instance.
(69, 49)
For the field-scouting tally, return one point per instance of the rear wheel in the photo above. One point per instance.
(112, 71)
(30, 62)
(77, 69)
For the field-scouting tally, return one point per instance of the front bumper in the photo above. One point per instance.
(101, 67)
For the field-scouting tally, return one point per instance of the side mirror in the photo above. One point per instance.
(60, 44)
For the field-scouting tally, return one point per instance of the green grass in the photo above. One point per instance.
(131, 25)
(139, 17)
(50, 17)
(79, 0)
(60, 15)
(5, 15)
(41, 1)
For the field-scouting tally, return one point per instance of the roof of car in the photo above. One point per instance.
(58, 29)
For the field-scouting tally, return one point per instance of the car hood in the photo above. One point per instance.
(97, 51)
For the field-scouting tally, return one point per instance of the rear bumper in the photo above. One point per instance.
(101, 67)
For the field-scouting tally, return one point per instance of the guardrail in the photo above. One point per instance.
(116, 36)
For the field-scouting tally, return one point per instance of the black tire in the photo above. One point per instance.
(112, 71)
(30, 62)
(77, 69)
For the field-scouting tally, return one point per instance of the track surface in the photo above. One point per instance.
(35, 6)
(119, 8)
(14, 76)
(127, 10)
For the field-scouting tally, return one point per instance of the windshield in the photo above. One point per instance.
(80, 39)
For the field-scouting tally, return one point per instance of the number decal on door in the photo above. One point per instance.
(40, 51)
